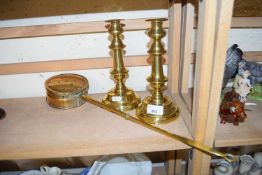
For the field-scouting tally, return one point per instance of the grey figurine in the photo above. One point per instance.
(233, 57)
(236, 64)
(255, 71)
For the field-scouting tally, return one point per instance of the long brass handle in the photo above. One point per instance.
(192, 143)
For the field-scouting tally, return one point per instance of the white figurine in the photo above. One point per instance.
(242, 85)
(223, 168)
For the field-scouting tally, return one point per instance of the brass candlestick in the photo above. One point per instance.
(120, 97)
(157, 108)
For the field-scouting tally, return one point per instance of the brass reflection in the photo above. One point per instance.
(157, 108)
(120, 97)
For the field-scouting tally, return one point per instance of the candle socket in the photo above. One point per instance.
(157, 108)
(120, 97)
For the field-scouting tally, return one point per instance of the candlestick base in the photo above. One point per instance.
(157, 114)
(124, 102)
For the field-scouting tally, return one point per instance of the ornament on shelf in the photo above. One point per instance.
(232, 110)
(157, 108)
(223, 168)
(256, 92)
(120, 97)
(235, 64)
(233, 57)
(242, 85)
(255, 70)
(257, 167)
(246, 164)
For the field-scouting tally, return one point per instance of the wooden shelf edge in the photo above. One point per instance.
(99, 26)
(69, 28)
(246, 22)
(91, 63)
(233, 142)
(247, 133)
(32, 130)
(69, 65)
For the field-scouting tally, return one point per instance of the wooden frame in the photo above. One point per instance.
(199, 114)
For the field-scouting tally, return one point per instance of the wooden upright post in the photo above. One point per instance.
(224, 16)
(174, 14)
(186, 44)
(174, 17)
(213, 28)
(203, 76)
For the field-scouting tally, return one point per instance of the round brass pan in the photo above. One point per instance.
(64, 90)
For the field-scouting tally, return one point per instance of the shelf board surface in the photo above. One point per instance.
(247, 133)
(32, 129)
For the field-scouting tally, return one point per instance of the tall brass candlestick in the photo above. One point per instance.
(120, 97)
(157, 108)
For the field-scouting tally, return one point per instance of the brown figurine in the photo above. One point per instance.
(232, 110)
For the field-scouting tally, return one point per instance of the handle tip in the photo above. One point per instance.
(230, 158)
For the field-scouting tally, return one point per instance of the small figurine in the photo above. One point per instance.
(255, 70)
(232, 110)
(242, 85)
(236, 64)
(233, 57)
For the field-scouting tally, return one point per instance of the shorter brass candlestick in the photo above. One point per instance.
(120, 97)
(157, 108)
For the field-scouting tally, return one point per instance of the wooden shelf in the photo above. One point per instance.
(247, 133)
(32, 129)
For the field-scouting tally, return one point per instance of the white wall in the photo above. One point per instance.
(88, 46)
